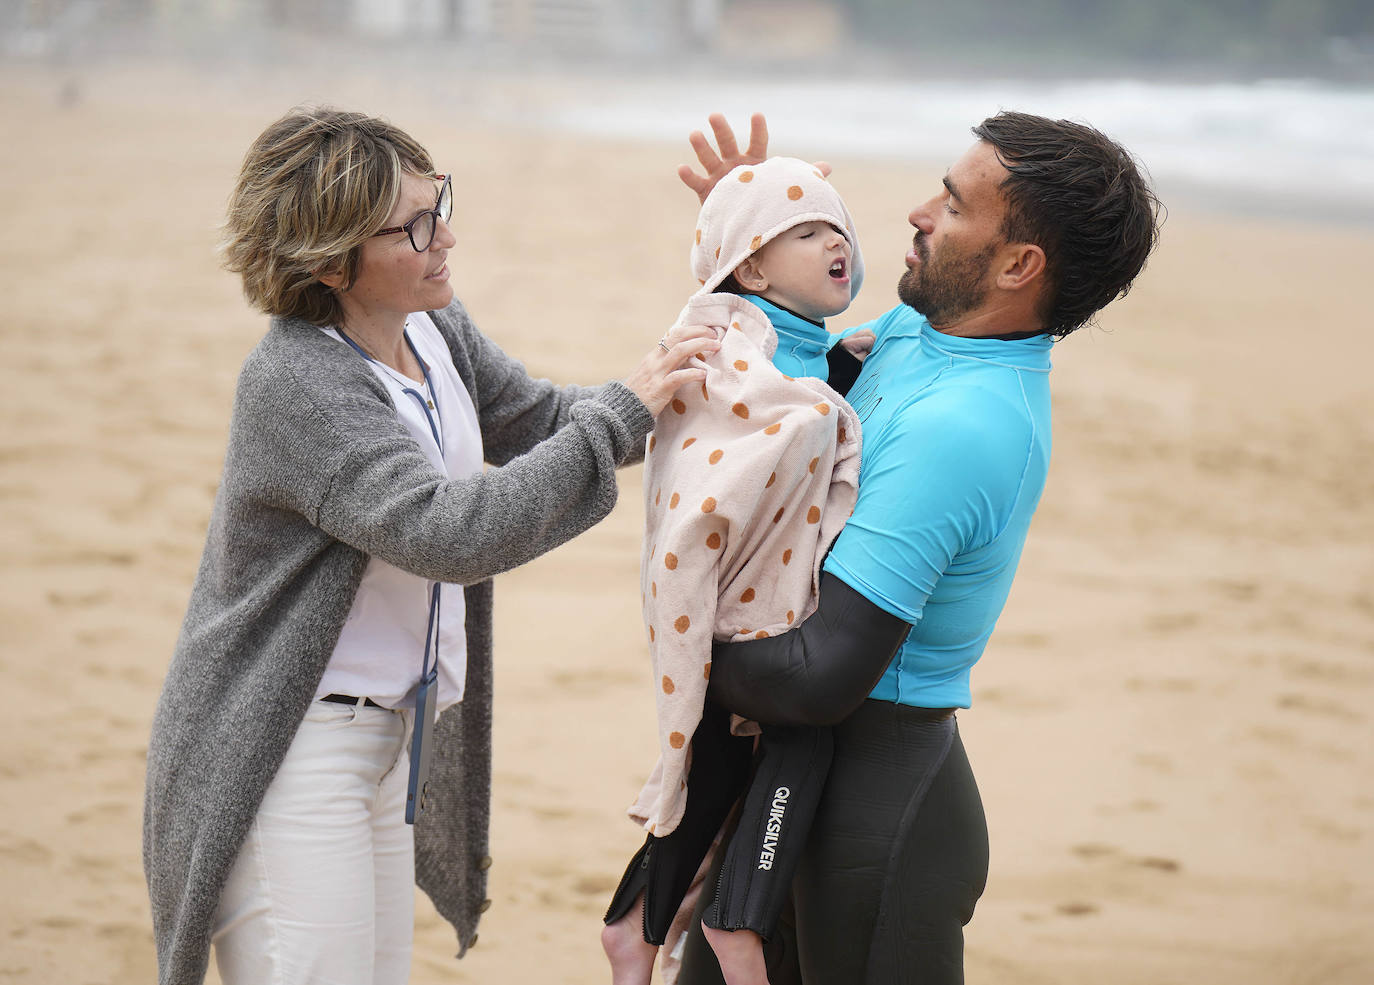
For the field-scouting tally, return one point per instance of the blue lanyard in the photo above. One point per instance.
(426, 693)
(411, 391)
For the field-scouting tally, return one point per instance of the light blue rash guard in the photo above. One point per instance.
(956, 445)
(802, 344)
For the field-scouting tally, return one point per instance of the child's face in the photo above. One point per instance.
(805, 269)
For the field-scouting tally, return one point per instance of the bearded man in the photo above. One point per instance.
(1033, 230)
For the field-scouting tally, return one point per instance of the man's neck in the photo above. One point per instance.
(995, 322)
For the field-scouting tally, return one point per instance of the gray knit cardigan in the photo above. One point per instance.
(319, 476)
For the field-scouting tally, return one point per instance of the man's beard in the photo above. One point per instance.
(949, 286)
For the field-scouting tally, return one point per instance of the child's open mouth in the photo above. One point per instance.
(837, 269)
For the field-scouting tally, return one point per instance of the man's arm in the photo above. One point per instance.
(816, 674)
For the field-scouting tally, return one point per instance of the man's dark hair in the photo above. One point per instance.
(1082, 199)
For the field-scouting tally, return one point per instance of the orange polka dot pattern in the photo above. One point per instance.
(737, 474)
(755, 203)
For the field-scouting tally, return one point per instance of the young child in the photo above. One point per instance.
(747, 482)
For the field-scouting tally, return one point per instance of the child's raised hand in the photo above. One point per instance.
(718, 165)
(860, 344)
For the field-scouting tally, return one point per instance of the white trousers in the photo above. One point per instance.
(323, 890)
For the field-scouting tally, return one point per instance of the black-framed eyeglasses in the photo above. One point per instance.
(421, 228)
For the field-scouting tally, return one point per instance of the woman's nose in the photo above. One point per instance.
(443, 236)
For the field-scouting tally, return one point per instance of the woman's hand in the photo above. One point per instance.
(664, 370)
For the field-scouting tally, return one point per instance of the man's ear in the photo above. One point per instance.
(1023, 264)
(750, 276)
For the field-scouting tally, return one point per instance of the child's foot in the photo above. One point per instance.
(631, 956)
(740, 953)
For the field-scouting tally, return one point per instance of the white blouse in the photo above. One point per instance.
(381, 649)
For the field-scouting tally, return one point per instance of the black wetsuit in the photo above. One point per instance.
(897, 855)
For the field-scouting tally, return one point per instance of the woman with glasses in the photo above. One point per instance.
(332, 681)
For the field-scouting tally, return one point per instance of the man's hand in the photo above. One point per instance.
(718, 165)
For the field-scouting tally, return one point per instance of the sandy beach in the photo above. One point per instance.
(1172, 727)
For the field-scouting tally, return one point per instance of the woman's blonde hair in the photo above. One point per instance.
(313, 188)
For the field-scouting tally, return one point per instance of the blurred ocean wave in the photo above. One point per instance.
(1283, 145)
(1292, 147)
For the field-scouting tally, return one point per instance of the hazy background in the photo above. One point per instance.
(1172, 726)
(1264, 106)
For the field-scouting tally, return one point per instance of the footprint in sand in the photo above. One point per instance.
(1311, 705)
(98, 812)
(1093, 851)
(77, 600)
(1307, 668)
(1138, 806)
(1077, 909)
(1172, 622)
(1170, 685)
(1332, 830)
(1236, 591)
(24, 850)
(553, 813)
(1017, 700)
(1157, 762)
(1274, 735)
(599, 885)
(1157, 863)
(592, 680)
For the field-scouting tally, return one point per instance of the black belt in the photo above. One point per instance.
(348, 699)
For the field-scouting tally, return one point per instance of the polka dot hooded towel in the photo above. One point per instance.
(747, 479)
(755, 203)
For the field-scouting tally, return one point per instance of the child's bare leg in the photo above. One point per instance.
(740, 953)
(630, 955)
